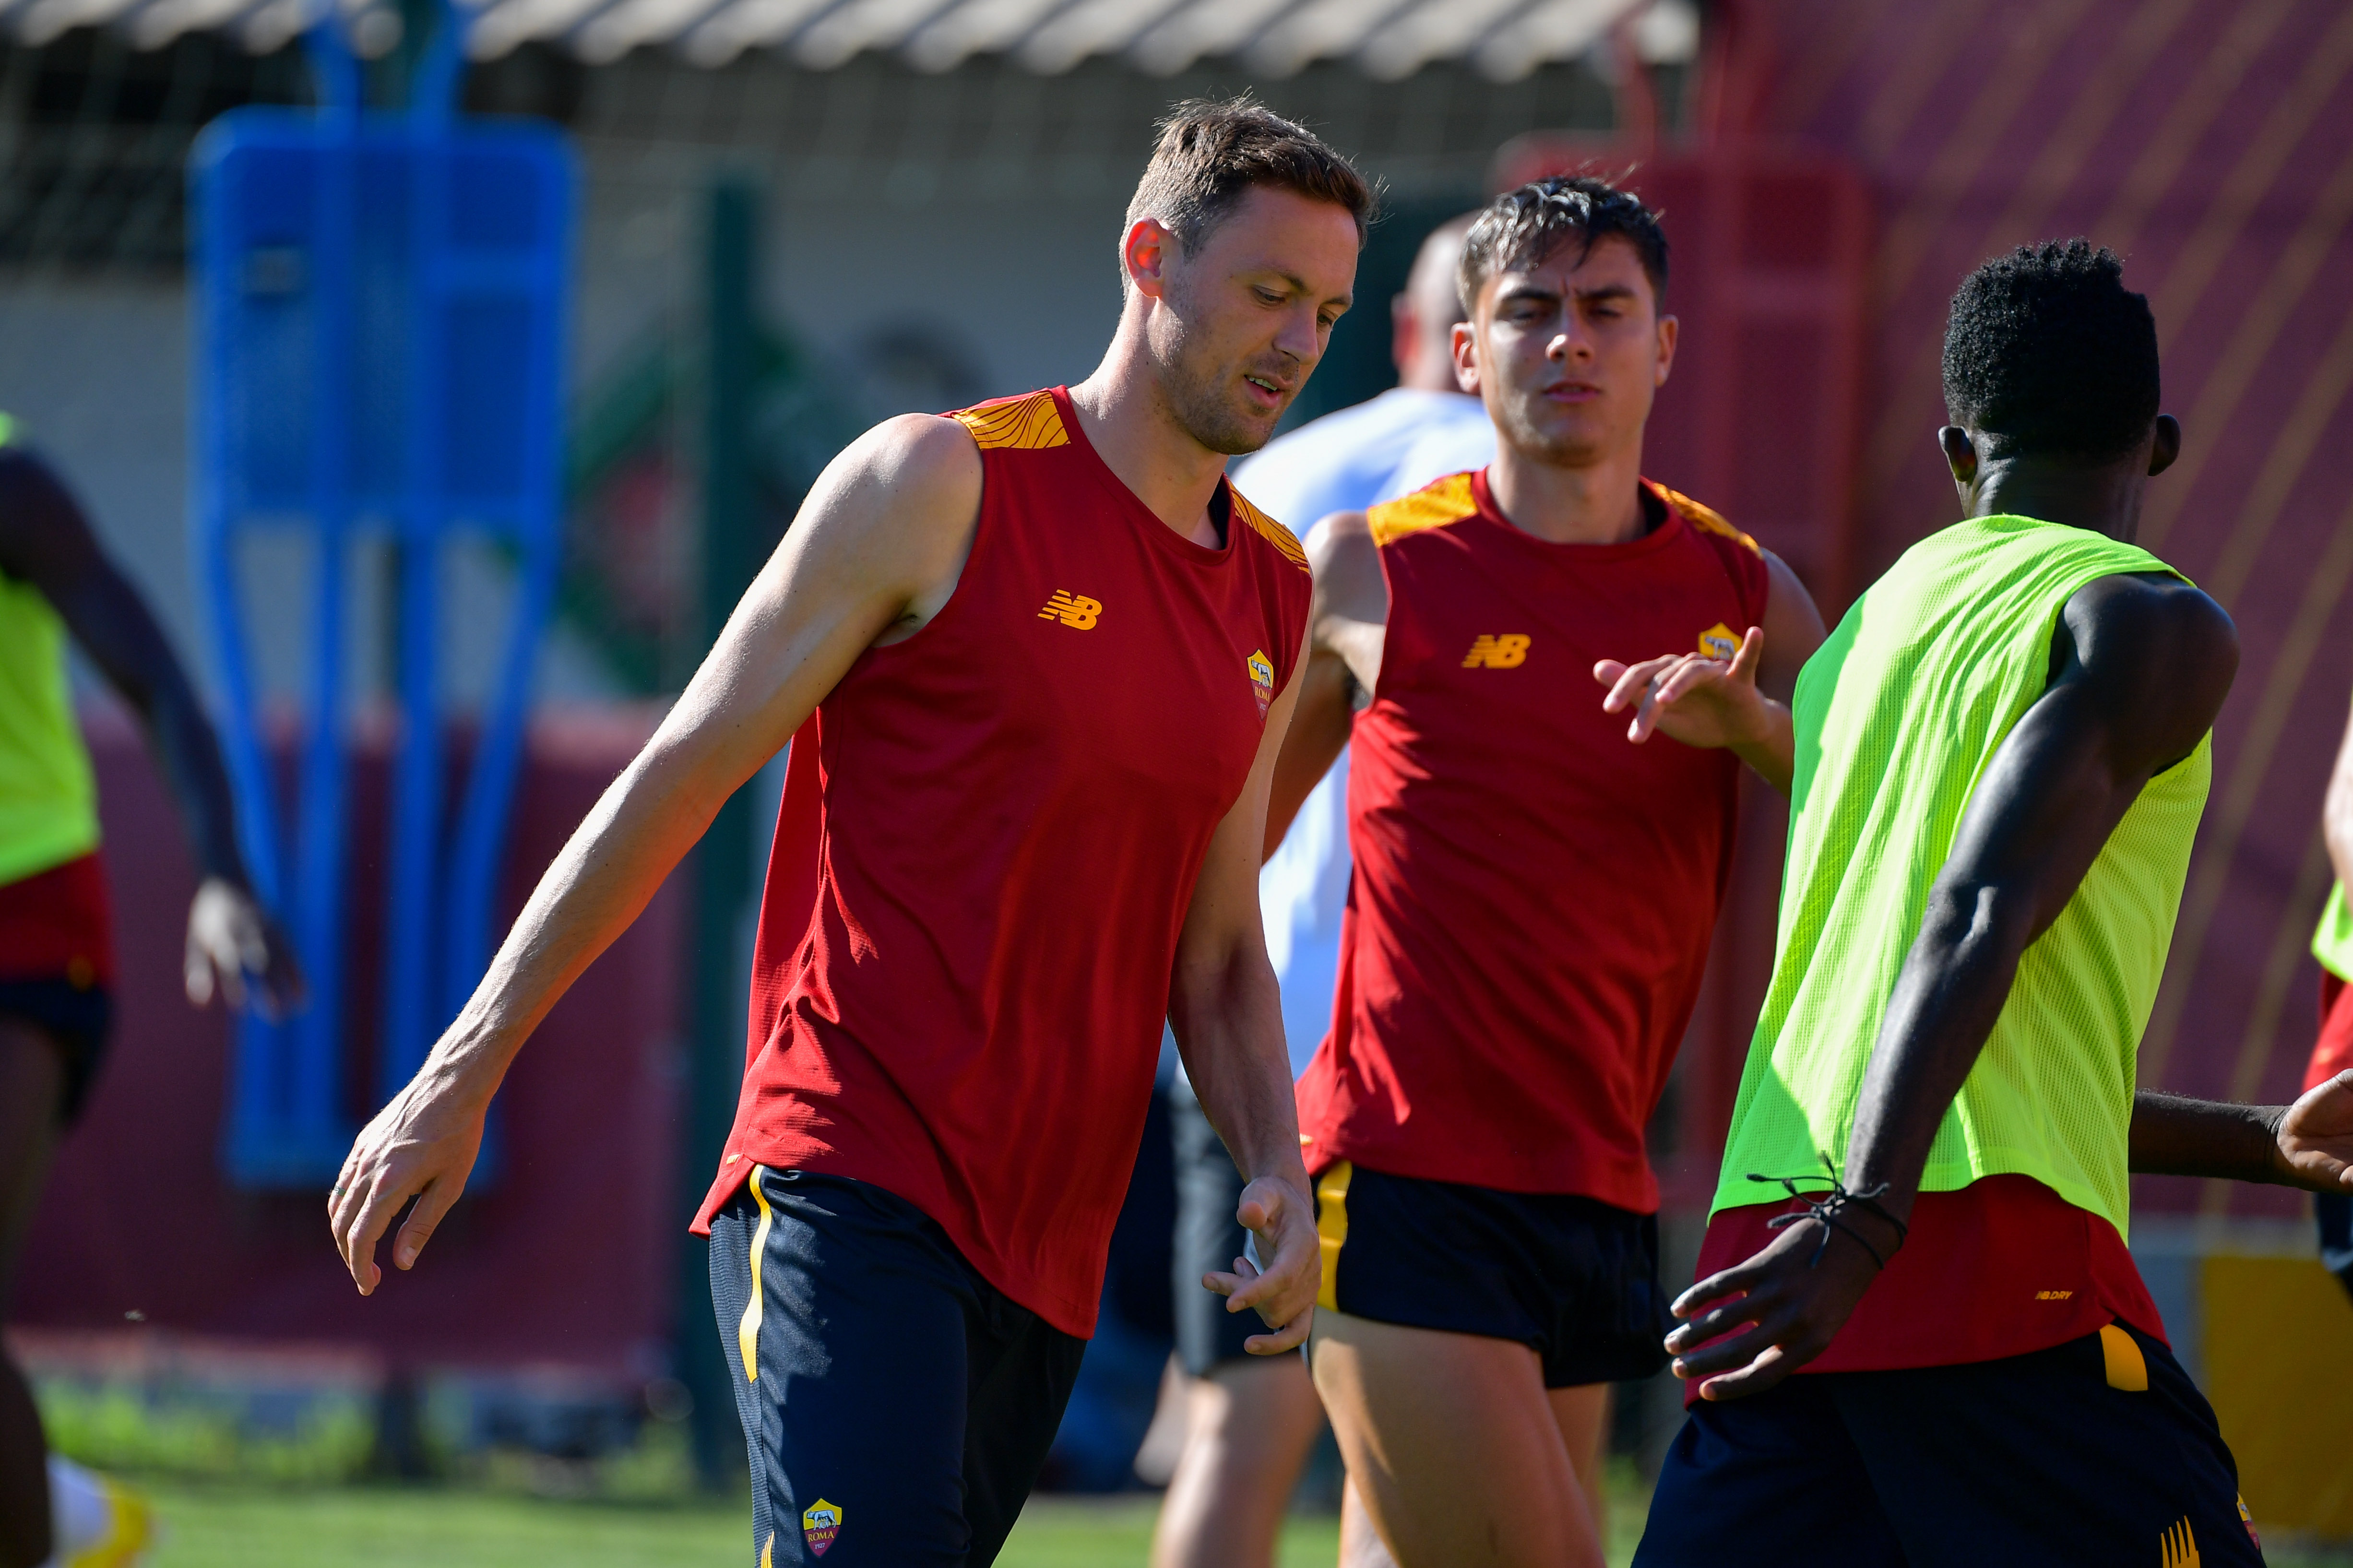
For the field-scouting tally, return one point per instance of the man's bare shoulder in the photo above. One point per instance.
(1337, 539)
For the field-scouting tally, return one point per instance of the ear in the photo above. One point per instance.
(1671, 332)
(1466, 355)
(1405, 333)
(1961, 453)
(2165, 444)
(1146, 254)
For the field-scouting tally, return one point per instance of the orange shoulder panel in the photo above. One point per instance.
(1286, 542)
(1701, 517)
(1027, 423)
(1433, 506)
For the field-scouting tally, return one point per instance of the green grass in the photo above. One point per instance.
(229, 1524)
(224, 1525)
(211, 1523)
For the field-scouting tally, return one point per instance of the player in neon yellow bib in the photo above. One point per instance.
(55, 951)
(2002, 753)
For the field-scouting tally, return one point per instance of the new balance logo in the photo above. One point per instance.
(1506, 651)
(2054, 1295)
(1071, 609)
(2177, 1548)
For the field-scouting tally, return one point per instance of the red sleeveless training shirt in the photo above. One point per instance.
(1533, 895)
(988, 839)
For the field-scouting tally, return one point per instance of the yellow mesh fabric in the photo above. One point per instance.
(1897, 717)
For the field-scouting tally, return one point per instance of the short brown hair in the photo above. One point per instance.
(1212, 152)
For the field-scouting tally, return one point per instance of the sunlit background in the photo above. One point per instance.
(796, 216)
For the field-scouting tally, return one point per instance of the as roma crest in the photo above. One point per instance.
(1261, 674)
(820, 1524)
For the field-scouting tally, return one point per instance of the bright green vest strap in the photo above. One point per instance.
(48, 800)
(2332, 944)
(1897, 717)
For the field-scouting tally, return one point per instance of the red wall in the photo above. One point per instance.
(567, 1256)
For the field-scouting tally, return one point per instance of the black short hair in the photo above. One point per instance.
(2047, 352)
(1519, 228)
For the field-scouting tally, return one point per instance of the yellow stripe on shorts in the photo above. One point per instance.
(2127, 1368)
(1332, 1229)
(747, 1333)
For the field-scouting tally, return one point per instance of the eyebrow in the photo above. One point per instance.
(1300, 286)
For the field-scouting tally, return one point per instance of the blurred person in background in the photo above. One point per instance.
(1251, 1422)
(2332, 945)
(1536, 886)
(56, 951)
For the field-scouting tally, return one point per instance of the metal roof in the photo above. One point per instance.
(1386, 39)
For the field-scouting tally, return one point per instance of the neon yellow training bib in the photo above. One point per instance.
(49, 798)
(1897, 717)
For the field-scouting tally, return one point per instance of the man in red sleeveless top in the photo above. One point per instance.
(1035, 660)
(1532, 897)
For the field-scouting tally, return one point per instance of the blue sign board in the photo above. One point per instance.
(380, 303)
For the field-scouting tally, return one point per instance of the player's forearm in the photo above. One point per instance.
(1772, 749)
(1946, 1000)
(615, 862)
(1228, 1027)
(2173, 1135)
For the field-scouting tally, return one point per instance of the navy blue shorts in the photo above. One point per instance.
(1572, 1277)
(1209, 1239)
(2082, 1456)
(80, 1018)
(896, 1405)
(2333, 1212)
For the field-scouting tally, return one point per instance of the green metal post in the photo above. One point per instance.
(723, 861)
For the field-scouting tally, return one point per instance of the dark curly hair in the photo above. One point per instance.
(2047, 352)
(1519, 228)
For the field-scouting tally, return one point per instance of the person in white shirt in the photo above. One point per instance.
(1251, 1421)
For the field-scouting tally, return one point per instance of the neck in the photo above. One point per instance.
(1597, 505)
(2105, 499)
(1132, 429)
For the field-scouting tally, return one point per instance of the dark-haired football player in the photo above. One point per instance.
(2002, 754)
(1533, 897)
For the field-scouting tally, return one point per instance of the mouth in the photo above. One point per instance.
(1263, 390)
(1572, 392)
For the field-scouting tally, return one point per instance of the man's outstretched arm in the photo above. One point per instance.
(2141, 666)
(46, 540)
(2308, 1145)
(1228, 1018)
(878, 545)
(1741, 704)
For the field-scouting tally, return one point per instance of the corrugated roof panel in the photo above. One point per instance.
(511, 22)
(746, 23)
(1089, 27)
(1202, 27)
(1551, 30)
(851, 29)
(610, 34)
(975, 28)
(156, 24)
(1433, 30)
(1316, 30)
(42, 20)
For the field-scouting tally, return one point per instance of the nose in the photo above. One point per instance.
(1299, 340)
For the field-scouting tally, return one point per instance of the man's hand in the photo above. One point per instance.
(2315, 1138)
(231, 938)
(1704, 703)
(422, 1146)
(1793, 1311)
(1283, 1218)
